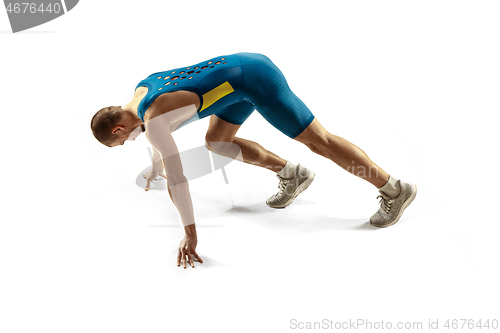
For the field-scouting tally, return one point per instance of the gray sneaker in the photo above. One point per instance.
(289, 189)
(391, 209)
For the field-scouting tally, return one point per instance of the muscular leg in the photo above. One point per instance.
(343, 153)
(253, 153)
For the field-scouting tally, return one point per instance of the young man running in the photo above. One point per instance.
(229, 88)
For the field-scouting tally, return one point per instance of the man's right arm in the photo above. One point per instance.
(159, 135)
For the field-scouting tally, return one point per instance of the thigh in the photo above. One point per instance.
(287, 113)
(219, 139)
(268, 90)
(237, 113)
(225, 123)
(220, 130)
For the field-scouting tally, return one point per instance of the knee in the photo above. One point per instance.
(312, 146)
(320, 143)
(212, 138)
(207, 144)
(209, 138)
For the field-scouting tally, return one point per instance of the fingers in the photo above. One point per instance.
(190, 257)
(183, 257)
(197, 257)
(148, 179)
(179, 258)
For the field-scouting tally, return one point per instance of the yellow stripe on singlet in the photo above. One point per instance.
(215, 94)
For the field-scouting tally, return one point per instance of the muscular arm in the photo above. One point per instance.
(161, 121)
(159, 125)
(190, 230)
(177, 184)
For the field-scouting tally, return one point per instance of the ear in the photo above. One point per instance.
(117, 129)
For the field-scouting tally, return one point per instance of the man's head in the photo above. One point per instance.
(112, 126)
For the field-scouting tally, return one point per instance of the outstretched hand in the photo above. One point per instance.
(152, 175)
(187, 248)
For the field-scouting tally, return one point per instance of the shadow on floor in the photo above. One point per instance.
(276, 220)
(255, 211)
(174, 226)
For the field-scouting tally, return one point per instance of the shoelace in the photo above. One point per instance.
(385, 202)
(282, 185)
(282, 188)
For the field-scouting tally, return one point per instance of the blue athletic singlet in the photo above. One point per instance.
(232, 87)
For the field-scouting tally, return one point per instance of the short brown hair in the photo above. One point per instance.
(103, 122)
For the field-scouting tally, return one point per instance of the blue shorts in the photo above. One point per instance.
(266, 89)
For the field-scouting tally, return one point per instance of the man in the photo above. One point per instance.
(229, 88)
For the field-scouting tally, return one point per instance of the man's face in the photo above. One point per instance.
(127, 134)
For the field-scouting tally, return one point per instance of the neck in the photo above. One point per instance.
(134, 104)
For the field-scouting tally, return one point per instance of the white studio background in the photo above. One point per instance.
(413, 83)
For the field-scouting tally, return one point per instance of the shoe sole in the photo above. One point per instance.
(302, 187)
(405, 205)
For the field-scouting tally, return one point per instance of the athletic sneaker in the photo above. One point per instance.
(289, 189)
(391, 209)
